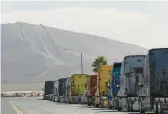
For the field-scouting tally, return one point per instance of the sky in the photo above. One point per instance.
(141, 23)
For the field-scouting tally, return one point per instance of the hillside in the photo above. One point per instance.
(34, 53)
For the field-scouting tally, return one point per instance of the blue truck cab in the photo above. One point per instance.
(113, 84)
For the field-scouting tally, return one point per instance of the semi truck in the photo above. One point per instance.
(153, 84)
(101, 94)
(68, 97)
(92, 83)
(48, 89)
(131, 71)
(78, 86)
(62, 89)
(114, 85)
(55, 91)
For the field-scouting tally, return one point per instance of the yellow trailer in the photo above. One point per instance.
(78, 86)
(101, 95)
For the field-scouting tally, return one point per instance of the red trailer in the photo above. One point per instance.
(92, 89)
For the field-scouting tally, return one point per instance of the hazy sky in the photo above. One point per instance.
(141, 23)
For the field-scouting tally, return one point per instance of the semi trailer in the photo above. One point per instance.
(131, 71)
(153, 84)
(114, 85)
(101, 94)
(48, 89)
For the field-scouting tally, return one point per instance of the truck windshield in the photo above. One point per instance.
(159, 60)
(134, 64)
(48, 87)
(116, 71)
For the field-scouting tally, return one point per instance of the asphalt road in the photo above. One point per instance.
(34, 105)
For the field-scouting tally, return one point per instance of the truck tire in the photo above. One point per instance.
(102, 103)
(119, 109)
(142, 111)
(88, 104)
(161, 100)
(93, 102)
(89, 101)
(155, 106)
(97, 105)
(116, 104)
(109, 106)
(128, 105)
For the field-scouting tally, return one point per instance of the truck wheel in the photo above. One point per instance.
(161, 100)
(93, 103)
(97, 105)
(116, 104)
(89, 102)
(119, 109)
(155, 106)
(102, 103)
(109, 106)
(130, 105)
(142, 111)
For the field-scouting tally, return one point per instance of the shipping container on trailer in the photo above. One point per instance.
(153, 85)
(114, 85)
(62, 89)
(101, 94)
(56, 92)
(92, 83)
(78, 86)
(48, 89)
(131, 71)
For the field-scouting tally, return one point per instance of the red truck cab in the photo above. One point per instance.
(92, 89)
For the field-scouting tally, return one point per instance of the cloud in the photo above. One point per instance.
(127, 26)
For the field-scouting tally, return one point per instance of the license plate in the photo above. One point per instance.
(164, 105)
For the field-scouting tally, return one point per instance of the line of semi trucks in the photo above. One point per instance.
(138, 83)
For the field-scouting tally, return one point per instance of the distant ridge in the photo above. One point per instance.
(34, 53)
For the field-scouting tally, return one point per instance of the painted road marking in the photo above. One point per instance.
(16, 109)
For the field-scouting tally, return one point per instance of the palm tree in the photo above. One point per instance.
(100, 60)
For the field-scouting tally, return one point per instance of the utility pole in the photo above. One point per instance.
(81, 63)
(81, 58)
